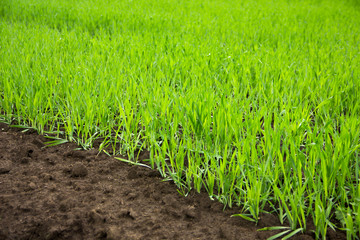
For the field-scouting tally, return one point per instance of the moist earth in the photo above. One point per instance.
(63, 193)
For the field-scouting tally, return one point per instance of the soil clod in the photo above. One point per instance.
(79, 170)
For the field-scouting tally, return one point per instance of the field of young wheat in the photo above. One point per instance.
(256, 102)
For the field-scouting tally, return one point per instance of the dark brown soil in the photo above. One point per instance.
(62, 193)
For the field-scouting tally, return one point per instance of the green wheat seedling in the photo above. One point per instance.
(256, 102)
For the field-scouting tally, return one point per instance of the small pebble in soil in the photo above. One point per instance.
(32, 186)
(5, 167)
(79, 170)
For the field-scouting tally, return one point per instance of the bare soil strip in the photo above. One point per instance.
(62, 193)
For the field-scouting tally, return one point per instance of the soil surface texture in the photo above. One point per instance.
(61, 193)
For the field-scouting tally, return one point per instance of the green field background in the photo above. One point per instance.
(256, 102)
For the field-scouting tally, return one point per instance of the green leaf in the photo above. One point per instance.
(244, 217)
(278, 235)
(273, 228)
(292, 233)
(55, 142)
(131, 162)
